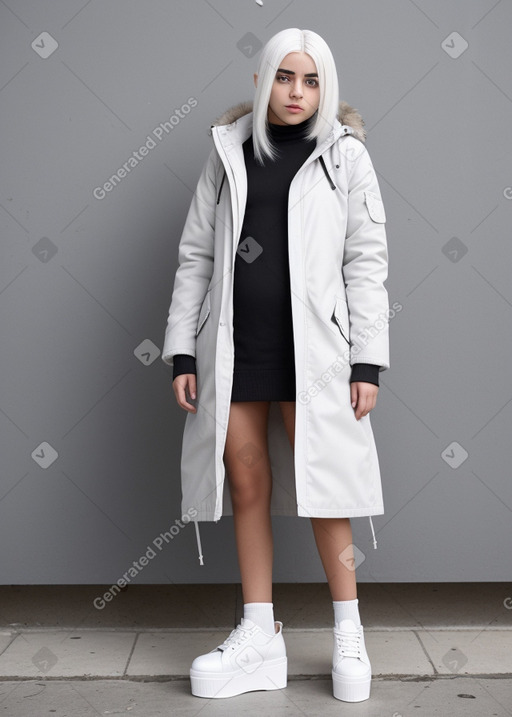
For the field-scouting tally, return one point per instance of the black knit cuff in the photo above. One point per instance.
(368, 372)
(183, 363)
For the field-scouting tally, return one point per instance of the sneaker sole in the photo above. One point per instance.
(271, 675)
(351, 689)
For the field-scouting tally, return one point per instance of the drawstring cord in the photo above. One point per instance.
(199, 549)
(373, 533)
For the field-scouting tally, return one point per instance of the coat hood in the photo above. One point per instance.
(347, 115)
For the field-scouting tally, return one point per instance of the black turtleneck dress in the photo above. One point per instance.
(264, 368)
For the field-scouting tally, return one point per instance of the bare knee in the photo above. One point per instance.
(250, 492)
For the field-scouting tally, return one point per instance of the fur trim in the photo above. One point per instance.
(346, 114)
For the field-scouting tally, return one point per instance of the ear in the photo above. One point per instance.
(255, 79)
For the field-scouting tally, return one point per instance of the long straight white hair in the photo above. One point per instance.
(280, 45)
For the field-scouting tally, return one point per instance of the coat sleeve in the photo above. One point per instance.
(195, 267)
(365, 265)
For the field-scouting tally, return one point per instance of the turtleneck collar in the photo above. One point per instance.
(285, 132)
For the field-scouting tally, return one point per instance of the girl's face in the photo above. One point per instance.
(295, 86)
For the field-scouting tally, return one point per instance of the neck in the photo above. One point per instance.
(291, 130)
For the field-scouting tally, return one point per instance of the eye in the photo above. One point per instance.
(282, 77)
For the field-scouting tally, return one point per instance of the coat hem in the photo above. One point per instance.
(208, 517)
(336, 513)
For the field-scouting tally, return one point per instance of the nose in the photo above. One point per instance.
(296, 89)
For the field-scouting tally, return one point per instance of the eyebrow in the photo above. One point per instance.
(289, 72)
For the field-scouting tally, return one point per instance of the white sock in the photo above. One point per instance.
(346, 609)
(261, 613)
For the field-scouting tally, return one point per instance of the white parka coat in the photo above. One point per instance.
(338, 265)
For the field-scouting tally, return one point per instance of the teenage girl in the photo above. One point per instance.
(253, 657)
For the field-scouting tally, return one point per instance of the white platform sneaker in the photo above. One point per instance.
(351, 669)
(247, 660)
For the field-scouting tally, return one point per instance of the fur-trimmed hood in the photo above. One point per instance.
(347, 115)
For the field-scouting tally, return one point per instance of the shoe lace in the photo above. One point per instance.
(235, 637)
(348, 644)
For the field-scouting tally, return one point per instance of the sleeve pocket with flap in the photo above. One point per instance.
(340, 316)
(375, 207)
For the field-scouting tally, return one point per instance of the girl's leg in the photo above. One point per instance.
(250, 481)
(351, 668)
(332, 535)
(248, 661)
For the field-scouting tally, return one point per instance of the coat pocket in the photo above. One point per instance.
(340, 316)
(375, 207)
(204, 312)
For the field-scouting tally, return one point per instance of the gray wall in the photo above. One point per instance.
(85, 282)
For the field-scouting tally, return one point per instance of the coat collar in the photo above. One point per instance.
(347, 115)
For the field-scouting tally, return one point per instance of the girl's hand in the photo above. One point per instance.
(363, 397)
(180, 384)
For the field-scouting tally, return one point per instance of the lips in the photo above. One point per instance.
(294, 107)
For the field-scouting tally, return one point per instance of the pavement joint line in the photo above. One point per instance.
(381, 677)
(132, 650)
(429, 659)
(135, 631)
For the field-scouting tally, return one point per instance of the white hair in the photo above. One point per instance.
(280, 45)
